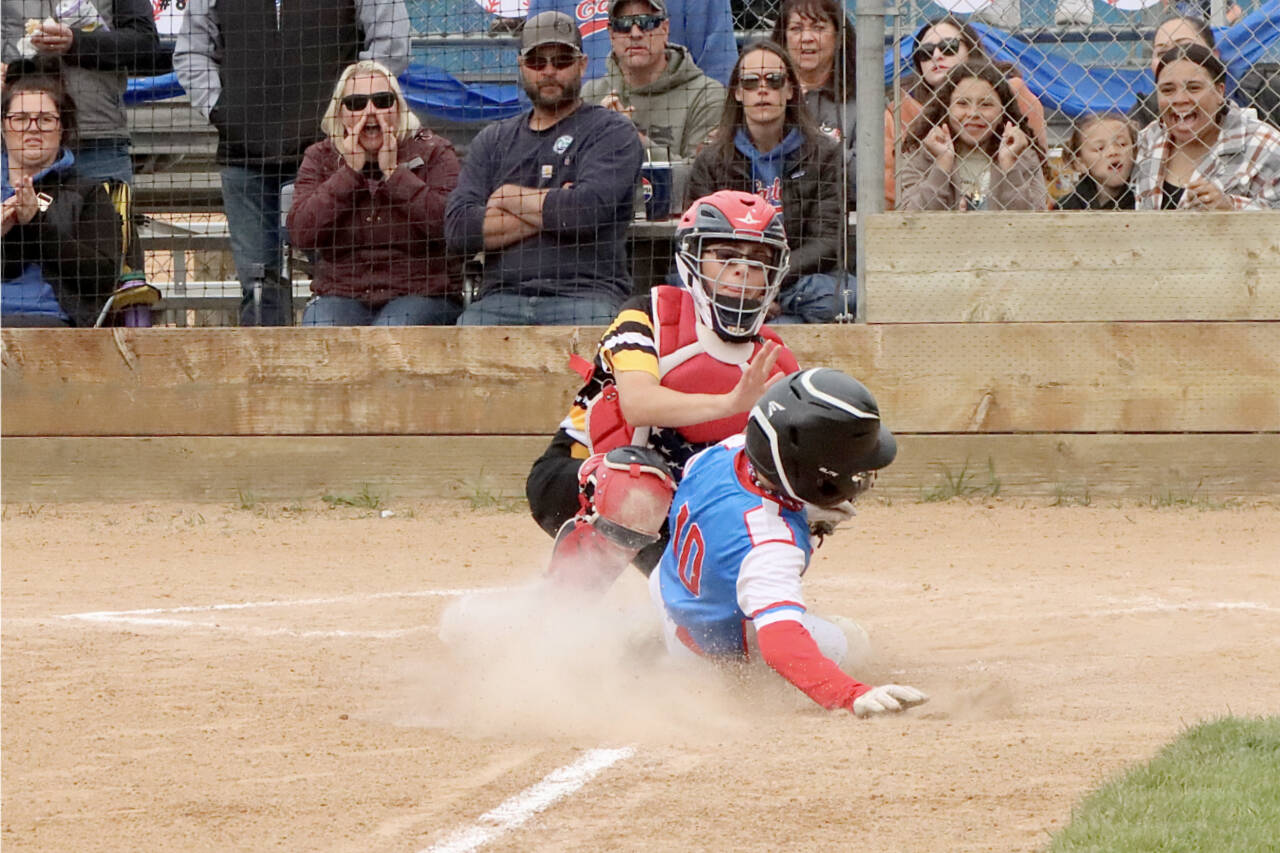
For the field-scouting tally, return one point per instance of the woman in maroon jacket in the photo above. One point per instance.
(369, 199)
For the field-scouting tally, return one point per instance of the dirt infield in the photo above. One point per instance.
(202, 677)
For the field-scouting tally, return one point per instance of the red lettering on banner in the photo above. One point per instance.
(590, 9)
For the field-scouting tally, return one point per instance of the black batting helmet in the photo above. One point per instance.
(814, 433)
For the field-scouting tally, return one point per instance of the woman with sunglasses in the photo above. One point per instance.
(1204, 152)
(61, 233)
(369, 200)
(820, 39)
(940, 45)
(971, 148)
(767, 144)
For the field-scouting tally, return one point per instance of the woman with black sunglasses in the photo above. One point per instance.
(940, 45)
(369, 200)
(768, 144)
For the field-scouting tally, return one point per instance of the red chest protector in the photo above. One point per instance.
(685, 365)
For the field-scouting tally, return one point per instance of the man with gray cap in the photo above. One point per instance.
(547, 195)
(655, 83)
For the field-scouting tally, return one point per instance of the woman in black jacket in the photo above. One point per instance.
(767, 144)
(61, 234)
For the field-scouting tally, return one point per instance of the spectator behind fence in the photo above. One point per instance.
(99, 44)
(1172, 32)
(61, 233)
(705, 27)
(940, 45)
(1204, 152)
(262, 74)
(767, 144)
(971, 148)
(370, 200)
(1100, 151)
(821, 40)
(655, 83)
(547, 195)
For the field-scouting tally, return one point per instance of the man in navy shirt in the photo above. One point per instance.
(547, 195)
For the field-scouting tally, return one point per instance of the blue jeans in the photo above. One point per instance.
(815, 298)
(410, 310)
(509, 309)
(251, 198)
(104, 159)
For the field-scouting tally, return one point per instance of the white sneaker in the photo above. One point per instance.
(1074, 13)
(1005, 14)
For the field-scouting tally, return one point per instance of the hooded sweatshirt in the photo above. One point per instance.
(676, 112)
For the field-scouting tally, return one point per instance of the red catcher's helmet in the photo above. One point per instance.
(729, 216)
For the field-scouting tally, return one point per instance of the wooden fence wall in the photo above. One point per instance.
(1073, 406)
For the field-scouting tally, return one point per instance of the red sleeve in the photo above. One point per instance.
(790, 650)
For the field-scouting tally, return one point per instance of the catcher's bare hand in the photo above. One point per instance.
(888, 699)
(756, 378)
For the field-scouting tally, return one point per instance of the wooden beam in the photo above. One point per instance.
(1083, 267)
(928, 378)
(223, 469)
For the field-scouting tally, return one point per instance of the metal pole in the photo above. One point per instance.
(870, 133)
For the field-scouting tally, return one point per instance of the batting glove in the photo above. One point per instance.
(888, 699)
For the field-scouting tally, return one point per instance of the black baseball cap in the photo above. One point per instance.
(549, 28)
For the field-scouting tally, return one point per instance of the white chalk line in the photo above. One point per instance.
(513, 812)
(1161, 606)
(158, 617)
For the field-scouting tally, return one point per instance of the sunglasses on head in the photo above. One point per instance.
(646, 23)
(775, 80)
(947, 47)
(558, 61)
(381, 100)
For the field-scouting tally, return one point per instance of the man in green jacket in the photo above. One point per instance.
(656, 84)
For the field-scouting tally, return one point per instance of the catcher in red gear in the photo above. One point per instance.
(677, 371)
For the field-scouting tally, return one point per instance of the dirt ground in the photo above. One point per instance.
(204, 677)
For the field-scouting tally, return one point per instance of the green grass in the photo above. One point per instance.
(963, 484)
(364, 499)
(1216, 789)
(1182, 497)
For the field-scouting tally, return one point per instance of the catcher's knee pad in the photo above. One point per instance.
(623, 499)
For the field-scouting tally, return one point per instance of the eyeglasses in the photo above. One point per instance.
(775, 80)
(947, 47)
(558, 61)
(646, 23)
(729, 254)
(25, 121)
(818, 28)
(381, 100)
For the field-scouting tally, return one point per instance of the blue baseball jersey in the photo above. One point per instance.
(736, 553)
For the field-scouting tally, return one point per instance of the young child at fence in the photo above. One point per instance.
(729, 587)
(1100, 151)
(370, 199)
(971, 148)
(939, 46)
(767, 144)
(1205, 153)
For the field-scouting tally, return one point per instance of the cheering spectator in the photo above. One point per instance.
(705, 27)
(1172, 32)
(971, 148)
(655, 83)
(99, 47)
(547, 195)
(262, 73)
(820, 40)
(1100, 151)
(370, 200)
(767, 144)
(940, 45)
(61, 234)
(1204, 153)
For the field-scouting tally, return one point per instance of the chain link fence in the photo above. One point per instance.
(1059, 109)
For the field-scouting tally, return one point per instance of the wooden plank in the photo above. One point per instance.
(1083, 267)
(929, 378)
(1075, 468)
